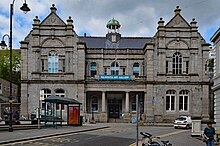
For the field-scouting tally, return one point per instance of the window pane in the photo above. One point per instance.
(172, 102)
(167, 102)
(186, 103)
(181, 103)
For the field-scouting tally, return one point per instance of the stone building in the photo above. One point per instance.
(167, 71)
(216, 87)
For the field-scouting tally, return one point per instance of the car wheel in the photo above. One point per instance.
(176, 127)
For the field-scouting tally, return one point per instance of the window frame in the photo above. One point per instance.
(60, 94)
(93, 69)
(184, 94)
(47, 94)
(136, 70)
(177, 64)
(169, 95)
(53, 62)
(94, 102)
(115, 68)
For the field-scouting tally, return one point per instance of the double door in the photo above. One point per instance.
(114, 108)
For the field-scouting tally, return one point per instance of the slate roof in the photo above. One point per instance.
(123, 43)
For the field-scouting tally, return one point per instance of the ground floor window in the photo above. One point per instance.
(94, 103)
(45, 93)
(184, 100)
(60, 93)
(170, 100)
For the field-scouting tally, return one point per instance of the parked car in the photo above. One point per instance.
(183, 122)
(0, 119)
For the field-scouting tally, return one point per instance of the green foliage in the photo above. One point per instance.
(5, 66)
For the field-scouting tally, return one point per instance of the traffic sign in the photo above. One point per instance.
(153, 106)
(153, 100)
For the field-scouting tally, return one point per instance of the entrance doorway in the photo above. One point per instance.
(114, 108)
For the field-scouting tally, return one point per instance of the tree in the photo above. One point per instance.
(5, 66)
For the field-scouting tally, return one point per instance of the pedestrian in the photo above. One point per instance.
(209, 133)
(6, 113)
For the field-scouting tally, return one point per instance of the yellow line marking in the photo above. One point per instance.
(161, 136)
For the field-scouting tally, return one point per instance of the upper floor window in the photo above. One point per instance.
(136, 69)
(53, 62)
(63, 65)
(60, 93)
(187, 67)
(42, 65)
(114, 68)
(184, 100)
(177, 63)
(93, 69)
(105, 70)
(170, 100)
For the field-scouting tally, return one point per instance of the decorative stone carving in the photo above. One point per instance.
(53, 43)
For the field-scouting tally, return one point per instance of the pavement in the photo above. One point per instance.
(22, 135)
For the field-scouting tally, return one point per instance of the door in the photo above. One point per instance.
(114, 108)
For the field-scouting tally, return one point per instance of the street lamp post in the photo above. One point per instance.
(25, 9)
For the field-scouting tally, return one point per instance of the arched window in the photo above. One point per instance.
(44, 93)
(170, 100)
(53, 62)
(60, 93)
(93, 69)
(94, 103)
(184, 100)
(177, 63)
(136, 69)
(114, 68)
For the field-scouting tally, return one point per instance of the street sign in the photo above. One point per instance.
(153, 100)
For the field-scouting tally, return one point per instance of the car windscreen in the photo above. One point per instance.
(181, 119)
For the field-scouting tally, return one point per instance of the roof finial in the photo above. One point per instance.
(53, 8)
(177, 10)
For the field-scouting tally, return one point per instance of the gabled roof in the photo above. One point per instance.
(177, 21)
(123, 43)
(61, 100)
(52, 19)
(215, 35)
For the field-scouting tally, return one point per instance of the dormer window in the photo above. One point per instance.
(113, 38)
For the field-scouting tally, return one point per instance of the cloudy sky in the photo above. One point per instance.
(137, 17)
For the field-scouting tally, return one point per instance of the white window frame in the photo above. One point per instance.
(170, 95)
(176, 69)
(53, 62)
(45, 96)
(183, 94)
(60, 95)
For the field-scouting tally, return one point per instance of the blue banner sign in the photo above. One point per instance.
(114, 77)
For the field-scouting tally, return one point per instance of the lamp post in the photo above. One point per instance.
(25, 9)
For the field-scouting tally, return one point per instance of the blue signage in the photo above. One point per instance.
(153, 100)
(115, 77)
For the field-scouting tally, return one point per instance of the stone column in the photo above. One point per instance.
(127, 102)
(103, 102)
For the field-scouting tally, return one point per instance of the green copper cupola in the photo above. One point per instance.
(113, 26)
